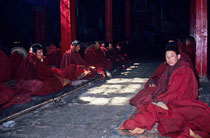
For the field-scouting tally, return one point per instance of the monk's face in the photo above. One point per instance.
(103, 45)
(97, 45)
(77, 48)
(110, 46)
(39, 54)
(172, 58)
(187, 42)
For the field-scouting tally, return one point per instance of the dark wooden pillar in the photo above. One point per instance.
(68, 23)
(128, 18)
(108, 18)
(40, 23)
(201, 37)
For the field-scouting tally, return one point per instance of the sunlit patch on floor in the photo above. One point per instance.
(116, 91)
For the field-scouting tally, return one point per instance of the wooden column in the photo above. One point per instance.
(108, 18)
(128, 18)
(201, 37)
(68, 23)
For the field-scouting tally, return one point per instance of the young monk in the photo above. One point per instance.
(35, 67)
(103, 48)
(172, 103)
(94, 57)
(111, 53)
(54, 55)
(72, 57)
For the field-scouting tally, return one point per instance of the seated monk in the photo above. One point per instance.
(72, 57)
(190, 48)
(120, 52)
(54, 55)
(172, 103)
(111, 53)
(94, 57)
(4, 67)
(35, 67)
(15, 61)
(103, 48)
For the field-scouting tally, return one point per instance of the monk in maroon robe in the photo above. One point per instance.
(36, 67)
(172, 103)
(120, 52)
(94, 57)
(111, 53)
(72, 57)
(15, 61)
(54, 56)
(4, 67)
(103, 48)
(190, 48)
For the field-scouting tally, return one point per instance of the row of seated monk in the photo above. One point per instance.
(170, 98)
(40, 75)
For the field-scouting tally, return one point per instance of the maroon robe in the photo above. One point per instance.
(103, 50)
(33, 69)
(20, 93)
(190, 49)
(15, 62)
(54, 56)
(4, 67)
(110, 54)
(73, 58)
(95, 58)
(178, 89)
(156, 76)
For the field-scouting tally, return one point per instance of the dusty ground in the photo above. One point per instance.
(95, 111)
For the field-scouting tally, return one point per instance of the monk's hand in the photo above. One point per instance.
(92, 67)
(161, 104)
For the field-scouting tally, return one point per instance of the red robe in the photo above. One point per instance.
(156, 76)
(191, 51)
(20, 93)
(33, 69)
(103, 50)
(70, 57)
(15, 62)
(54, 56)
(110, 54)
(95, 58)
(178, 89)
(4, 67)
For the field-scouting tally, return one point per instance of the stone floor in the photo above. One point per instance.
(95, 111)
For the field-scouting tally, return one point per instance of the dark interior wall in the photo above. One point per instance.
(16, 21)
(90, 20)
(153, 22)
(118, 10)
